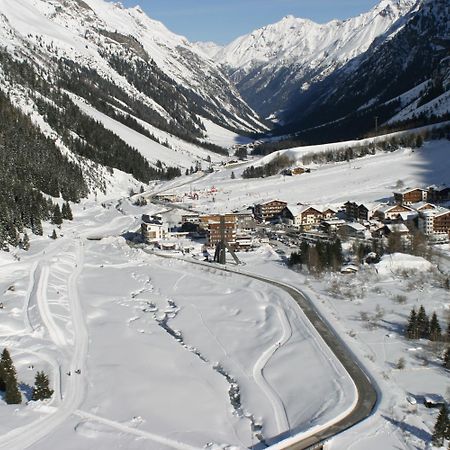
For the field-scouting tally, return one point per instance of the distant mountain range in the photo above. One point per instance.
(114, 89)
(272, 65)
(389, 63)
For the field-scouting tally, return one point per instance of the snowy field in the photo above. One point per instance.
(179, 356)
(370, 179)
(171, 356)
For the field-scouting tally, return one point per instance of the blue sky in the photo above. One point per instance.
(223, 20)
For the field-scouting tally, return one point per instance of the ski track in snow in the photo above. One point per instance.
(56, 335)
(258, 374)
(31, 291)
(135, 431)
(28, 435)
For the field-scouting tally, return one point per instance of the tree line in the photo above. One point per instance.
(420, 326)
(267, 170)
(318, 257)
(31, 165)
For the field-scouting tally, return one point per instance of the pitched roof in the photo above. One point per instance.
(397, 228)
(408, 190)
(420, 205)
(296, 210)
(387, 208)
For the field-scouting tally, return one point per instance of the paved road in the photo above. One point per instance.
(367, 394)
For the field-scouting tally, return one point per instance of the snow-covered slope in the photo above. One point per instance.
(88, 32)
(403, 78)
(275, 62)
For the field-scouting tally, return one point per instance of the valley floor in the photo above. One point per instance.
(173, 355)
(170, 355)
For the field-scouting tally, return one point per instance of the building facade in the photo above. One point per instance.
(269, 210)
(212, 224)
(411, 196)
(356, 212)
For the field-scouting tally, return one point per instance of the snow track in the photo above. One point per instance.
(28, 435)
(30, 292)
(366, 391)
(56, 335)
(258, 374)
(135, 431)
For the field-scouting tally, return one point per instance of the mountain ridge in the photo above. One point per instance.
(276, 61)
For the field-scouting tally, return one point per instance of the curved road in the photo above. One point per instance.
(367, 393)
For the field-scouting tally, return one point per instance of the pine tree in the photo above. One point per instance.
(54, 235)
(423, 324)
(41, 390)
(435, 328)
(37, 227)
(57, 216)
(66, 212)
(412, 328)
(26, 242)
(447, 359)
(8, 373)
(440, 428)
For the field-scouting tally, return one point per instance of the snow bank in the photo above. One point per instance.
(390, 264)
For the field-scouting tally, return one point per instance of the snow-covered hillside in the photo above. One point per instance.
(403, 78)
(151, 89)
(83, 31)
(274, 62)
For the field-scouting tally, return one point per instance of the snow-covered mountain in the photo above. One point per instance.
(405, 78)
(271, 65)
(127, 66)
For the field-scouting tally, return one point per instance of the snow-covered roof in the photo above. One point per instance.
(397, 228)
(408, 190)
(356, 226)
(420, 205)
(388, 208)
(437, 212)
(296, 210)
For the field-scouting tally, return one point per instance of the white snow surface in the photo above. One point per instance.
(94, 306)
(371, 179)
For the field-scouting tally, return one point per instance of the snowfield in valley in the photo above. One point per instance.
(170, 356)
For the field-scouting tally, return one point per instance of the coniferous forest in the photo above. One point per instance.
(31, 165)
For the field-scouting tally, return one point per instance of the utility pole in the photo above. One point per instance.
(376, 124)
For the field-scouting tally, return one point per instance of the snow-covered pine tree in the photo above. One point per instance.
(447, 358)
(66, 212)
(26, 242)
(8, 373)
(423, 323)
(412, 328)
(54, 235)
(41, 390)
(57, 218)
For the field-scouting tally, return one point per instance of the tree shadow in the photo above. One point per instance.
(27, 390)
(133, 237)
(420, 433)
